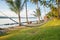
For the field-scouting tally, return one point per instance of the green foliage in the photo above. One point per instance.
(37, 12)
(53, 12)
(15, 5)
(48, 31)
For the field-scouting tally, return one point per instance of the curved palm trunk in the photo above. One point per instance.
(19, 18)
(26, 13)
(38, 16)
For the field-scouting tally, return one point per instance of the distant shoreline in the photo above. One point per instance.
(15, 17)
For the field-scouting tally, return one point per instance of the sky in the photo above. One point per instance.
(31, 7)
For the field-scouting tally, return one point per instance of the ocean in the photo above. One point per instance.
(4, 22)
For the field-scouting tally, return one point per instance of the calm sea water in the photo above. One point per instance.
(8, 21)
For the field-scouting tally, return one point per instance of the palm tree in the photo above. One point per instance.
(58, 3)
(37, 14)
(16, 6)
(53, 13)
(52, 7)
(37, 8)
(45, 4)
(25, 2)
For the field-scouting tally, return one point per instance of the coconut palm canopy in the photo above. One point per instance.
(37, 12)
(15, 5)
(32, 5)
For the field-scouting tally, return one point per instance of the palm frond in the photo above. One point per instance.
(15, 5)
(37, 12)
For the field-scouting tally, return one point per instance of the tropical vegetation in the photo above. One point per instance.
(49, 30)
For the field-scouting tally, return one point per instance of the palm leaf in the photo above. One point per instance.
(16, 5)
(37, 13)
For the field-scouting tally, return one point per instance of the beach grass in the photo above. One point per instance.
(48, 31)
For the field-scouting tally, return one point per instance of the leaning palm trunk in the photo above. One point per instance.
(38, 16)
(26, 12)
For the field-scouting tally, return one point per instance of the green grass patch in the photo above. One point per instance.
(48, 31)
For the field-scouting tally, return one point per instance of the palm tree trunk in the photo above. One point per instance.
(38, 16)
(19, 18)
(26, 13)
(39, 19)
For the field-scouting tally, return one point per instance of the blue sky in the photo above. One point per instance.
(31, 7)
